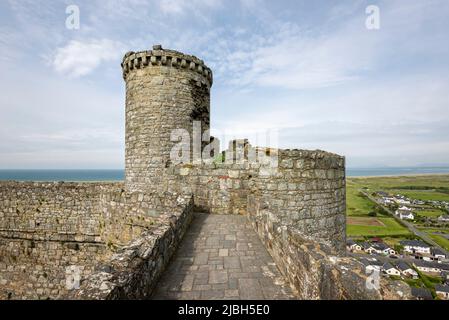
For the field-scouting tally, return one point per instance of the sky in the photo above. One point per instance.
(309, 70)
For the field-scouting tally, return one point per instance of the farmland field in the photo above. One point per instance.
(440, 240)
(357, 204)
(430, 213)
(365, 219)
(425, 187)
(376, 227)
(359, 221)
(425, 195)
(434, 230)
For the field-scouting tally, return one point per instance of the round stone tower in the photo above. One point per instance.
(165, 90)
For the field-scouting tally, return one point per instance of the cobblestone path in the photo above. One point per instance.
(221, 257)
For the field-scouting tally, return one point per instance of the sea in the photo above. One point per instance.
(63, 175)
(394, 171)
(119, 174)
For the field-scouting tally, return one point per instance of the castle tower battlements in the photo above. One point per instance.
(165, 91)
(165, 57)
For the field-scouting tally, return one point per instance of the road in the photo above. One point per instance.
(406, 224)
(383, 258)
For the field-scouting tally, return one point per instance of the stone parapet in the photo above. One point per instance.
(315, 270)
(134, 270)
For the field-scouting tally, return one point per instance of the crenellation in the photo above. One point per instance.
(169, 58)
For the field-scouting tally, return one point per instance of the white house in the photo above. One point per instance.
(427, 267)
(415, 246)
(406, 270)
(372, 264)
(438, 254)
(387, 200)
(382, 248)
(368, 248)
(389, 269)
(351, 245)
(443, 218)
(406, 215)
(442, 291)
(425, 258)
(402, 201)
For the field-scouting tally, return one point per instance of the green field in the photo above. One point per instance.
(425, 187)
(433, 230)
(424, 195)
(431, 213)
(435, 187)
(440, 240)
(357, 204)
(390, 228)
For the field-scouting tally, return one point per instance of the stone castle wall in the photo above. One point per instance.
(133, 271)
(307, 193)
(55, 211)
(44, 228)
(306, 189)
(315, 270)
(47, 227)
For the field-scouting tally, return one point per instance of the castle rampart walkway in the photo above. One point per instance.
(221, 257)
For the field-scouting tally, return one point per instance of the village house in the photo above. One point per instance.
(405, 213)
(382, 248)
(445, 276)
(389, 269)
(424, 257)
(372, 264)
(406, 270)
(442, 291)
(408, 215)
(430, 267)
(415, 246)
(438, 254)
(443, 218)
(401, 199)
(421, 293)
(387, 201)
(382, 194)
(352, 246)
(368, 248)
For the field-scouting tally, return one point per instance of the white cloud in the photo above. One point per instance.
(80, 58)
(294, 58)
(182, 6)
